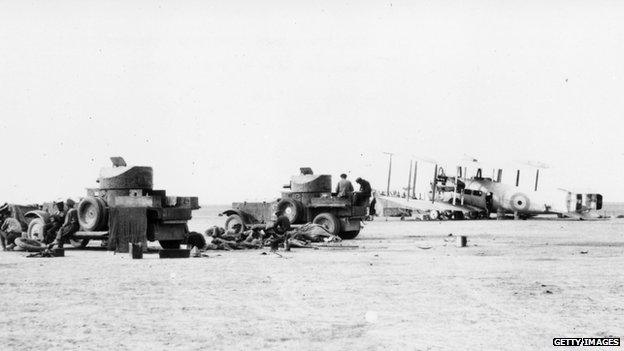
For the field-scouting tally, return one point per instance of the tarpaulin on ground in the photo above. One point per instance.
(311, 232)
(126, 225)
(256, 238)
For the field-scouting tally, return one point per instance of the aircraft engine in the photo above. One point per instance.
(519, 202)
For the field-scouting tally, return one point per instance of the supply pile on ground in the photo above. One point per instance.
(303, 236)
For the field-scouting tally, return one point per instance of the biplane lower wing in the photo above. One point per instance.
(419, 206)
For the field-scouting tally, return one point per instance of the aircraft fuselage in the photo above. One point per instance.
(495, 196)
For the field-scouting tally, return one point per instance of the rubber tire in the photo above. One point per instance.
(93, 208)
(434, 215)
(237, 219)
(36, 224)
(30, 247)
(170, 244)
(349, 235)
(333, 226)
(295, 207)
(79, 243)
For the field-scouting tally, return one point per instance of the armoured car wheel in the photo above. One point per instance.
(36, 229)
(91, 213)
(349, 235)
(79, 243)
(170, 244)
(329, 222)
(291, 208)
(234, 223)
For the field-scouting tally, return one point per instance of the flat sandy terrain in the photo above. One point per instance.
(517, 285)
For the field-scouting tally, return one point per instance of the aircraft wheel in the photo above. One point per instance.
(434, 215)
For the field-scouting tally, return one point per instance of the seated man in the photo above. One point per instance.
(344, 188)
(11, 229)
(362, 196)
(70, 225)
(56, 222)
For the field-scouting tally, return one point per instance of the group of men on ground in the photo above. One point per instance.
(63, 224)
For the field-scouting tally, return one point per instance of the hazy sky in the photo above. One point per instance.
(227, 99)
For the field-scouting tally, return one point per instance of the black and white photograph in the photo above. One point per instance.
(311, 175)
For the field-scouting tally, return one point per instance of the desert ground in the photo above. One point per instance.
(407, 286)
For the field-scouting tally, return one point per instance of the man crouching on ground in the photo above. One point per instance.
(278, 231)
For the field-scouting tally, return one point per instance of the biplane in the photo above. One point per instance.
(484, 195)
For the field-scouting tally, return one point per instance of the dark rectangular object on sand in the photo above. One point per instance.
(57, 252)
(174, 253)
(136, 251)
